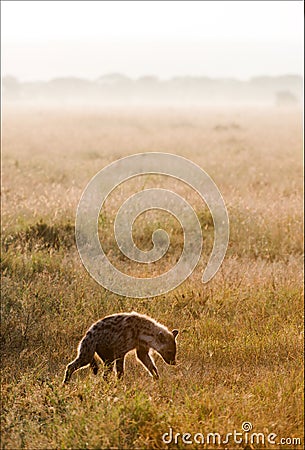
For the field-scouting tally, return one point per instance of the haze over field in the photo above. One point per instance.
(160, 53)
(117, 89)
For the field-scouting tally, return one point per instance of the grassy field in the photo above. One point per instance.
(240, 347)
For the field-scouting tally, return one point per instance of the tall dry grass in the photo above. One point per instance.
(240, 347)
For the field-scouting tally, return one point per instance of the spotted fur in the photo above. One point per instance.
(113, 336)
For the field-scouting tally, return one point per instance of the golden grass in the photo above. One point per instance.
(240, 347)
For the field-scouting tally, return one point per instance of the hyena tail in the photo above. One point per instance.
(86, 350)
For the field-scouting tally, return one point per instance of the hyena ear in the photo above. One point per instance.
(175, 333)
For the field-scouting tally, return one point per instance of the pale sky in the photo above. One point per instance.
(46, 39)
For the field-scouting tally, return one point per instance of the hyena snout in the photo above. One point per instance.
(169, 357)
(171, 360)
(169, 348)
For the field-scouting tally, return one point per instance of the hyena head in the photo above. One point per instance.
(166, 345)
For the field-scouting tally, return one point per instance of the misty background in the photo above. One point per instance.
(169, 52)
(118, 89)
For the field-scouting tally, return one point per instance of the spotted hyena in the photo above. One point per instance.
(114, 336)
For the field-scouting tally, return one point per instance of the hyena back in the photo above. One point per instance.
(114, 336)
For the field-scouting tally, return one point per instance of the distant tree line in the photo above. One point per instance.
(120, 89)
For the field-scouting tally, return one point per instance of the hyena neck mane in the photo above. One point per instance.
(149, 330)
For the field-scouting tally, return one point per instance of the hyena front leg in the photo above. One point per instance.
(144, 357)
(86, 352)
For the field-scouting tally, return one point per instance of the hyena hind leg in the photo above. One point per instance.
(73, 366)
(108, 368)
(108, 360)
(85, 356)
(119, 365)
(94, 365)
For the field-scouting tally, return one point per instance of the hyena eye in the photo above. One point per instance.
(161, 337)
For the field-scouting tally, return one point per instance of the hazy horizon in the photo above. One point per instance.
(46, 40)
(150, 75)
